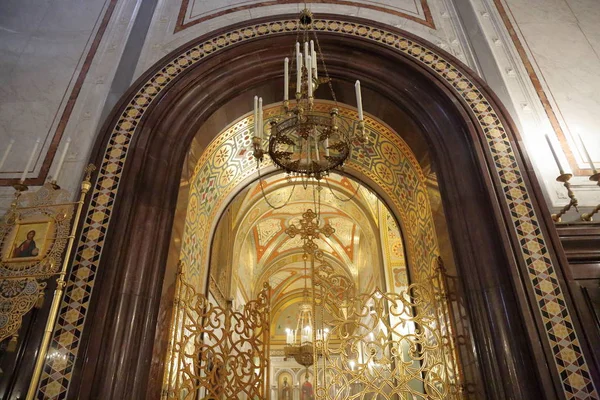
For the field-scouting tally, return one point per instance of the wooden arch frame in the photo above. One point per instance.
(504, 241)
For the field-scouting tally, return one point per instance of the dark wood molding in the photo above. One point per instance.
(581, 243)
(513, 355)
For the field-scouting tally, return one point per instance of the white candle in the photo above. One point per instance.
(358, 100)
(306, 60)
(560, 168)
(587, 155)
(327, 147)
(62, 160)
(297, 49)
(310, 82)
(255, 115)
(314, 59)
(286, 80)
(260, 118)
(317, 149)
(30, 161)
(299, 73)
(6, 152)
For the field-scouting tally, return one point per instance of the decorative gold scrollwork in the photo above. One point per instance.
(218, 352)
(33, 237)
(382, 345)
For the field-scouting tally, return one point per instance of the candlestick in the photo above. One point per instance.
(297, 49)
(35, 146)
(6, 152)
(299, 73)
(286, 81)
(255, 115)
(313, 56)
(327, 147)
(310, 82)
(560, 167)
(62, 160)
(260, 117)
(307, 64)
(358, 100)
(587, 155)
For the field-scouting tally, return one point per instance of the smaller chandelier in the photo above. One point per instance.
(299, 341)
(302, 141)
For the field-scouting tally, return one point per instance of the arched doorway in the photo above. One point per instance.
(211, 233)
(526, 329)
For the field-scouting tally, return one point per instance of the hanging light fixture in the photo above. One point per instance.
(301, 140)
(299, 341)
(303, 343)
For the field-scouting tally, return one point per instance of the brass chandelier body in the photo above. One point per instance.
(302, 141)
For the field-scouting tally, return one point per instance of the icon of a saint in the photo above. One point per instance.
(307, 390)
(286, 391)
(28, 248)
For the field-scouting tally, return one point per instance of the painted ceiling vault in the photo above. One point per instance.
(260, 251)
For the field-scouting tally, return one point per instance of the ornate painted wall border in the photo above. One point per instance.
(182, 24)
(568, 358)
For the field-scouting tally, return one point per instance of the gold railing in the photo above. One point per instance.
(384, 345)
(218, 352)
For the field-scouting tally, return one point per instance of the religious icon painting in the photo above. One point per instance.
(284, 384)
(29, 240)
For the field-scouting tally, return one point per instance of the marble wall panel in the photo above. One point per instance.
(56, 55)
(176, 23)
(549, 70)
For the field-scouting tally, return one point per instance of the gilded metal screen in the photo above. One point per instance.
(218, 352)
(383, 345)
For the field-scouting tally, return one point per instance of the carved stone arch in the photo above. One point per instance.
(528, 338)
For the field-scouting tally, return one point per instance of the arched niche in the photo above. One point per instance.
(528, 337)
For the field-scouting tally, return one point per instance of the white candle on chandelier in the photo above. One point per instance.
(310, 82)
(30, 161)
(286, 79)
(556, 159)
(6, 152)
(313, 56)
(62, 159)
(358, 100)
(306, 54)
(299, 73)
(317, 147)
(587, 155)
(297, 49)
(255, 115)
(260, 117)
(327, 147)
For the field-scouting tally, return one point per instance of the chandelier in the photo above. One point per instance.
(304, 342)
(300, 140)
(299, 341)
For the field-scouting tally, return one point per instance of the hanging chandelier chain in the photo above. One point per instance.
(327, 77)
(339, 198)
(262, 189)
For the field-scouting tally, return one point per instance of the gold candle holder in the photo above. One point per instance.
(565, 177)
(588, 216)
(258, 151)
(20, 187)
